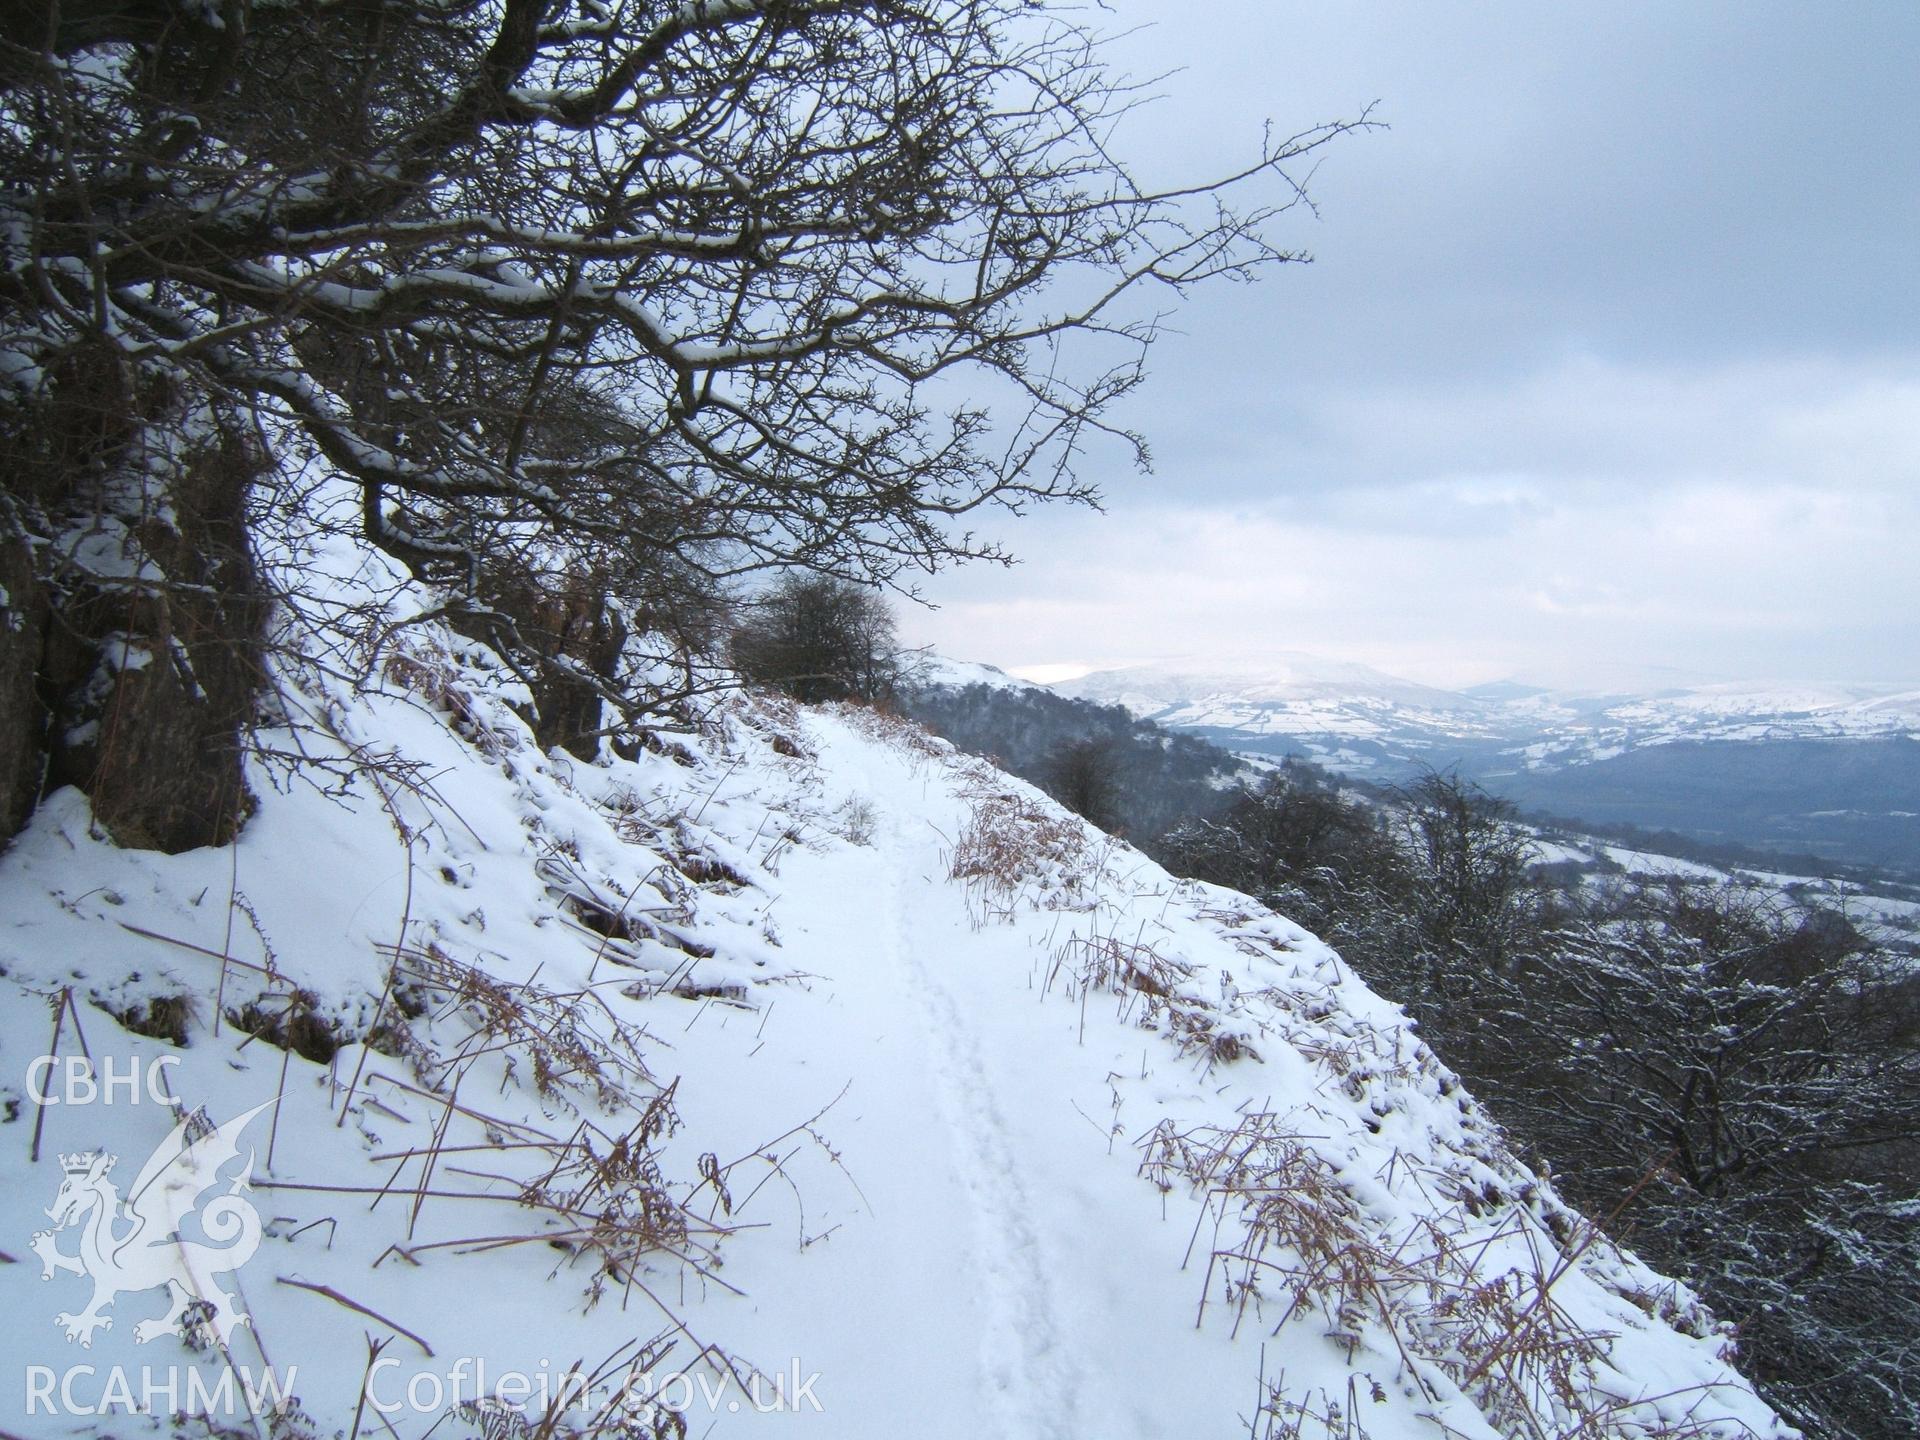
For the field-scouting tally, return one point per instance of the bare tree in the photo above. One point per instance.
(1766, 1058)
(1305, 848)
(818, 638)
(1084, 775)
(594, 290)
(1471, 865)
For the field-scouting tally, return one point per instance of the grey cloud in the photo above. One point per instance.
(1610, 353)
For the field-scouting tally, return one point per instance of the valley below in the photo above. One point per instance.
(1827, 773)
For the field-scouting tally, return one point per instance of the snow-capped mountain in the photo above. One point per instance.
(928, 668)
(1282, 678)
(1338, 711)
(1303, 696)
(1832, 768)
(1576, 727)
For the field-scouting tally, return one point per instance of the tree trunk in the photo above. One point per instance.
(131, 634)
(23, 717)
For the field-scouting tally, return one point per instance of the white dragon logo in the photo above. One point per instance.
(136, 1244)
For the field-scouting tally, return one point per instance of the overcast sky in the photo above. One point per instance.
(1608, 361)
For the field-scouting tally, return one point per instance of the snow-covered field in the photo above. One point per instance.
(799, 1064)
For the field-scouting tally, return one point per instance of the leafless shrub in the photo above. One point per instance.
(1154, 990)
(1015, 847)
(818, 638)
(569, 1042)
(894, 730)
(855, 820)
(1292, 1244)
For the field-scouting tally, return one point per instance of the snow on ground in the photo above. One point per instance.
(1557, 852)
(1653, 865)
(956, 1116)
(928, 668)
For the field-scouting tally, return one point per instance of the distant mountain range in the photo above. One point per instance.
(1831, 771)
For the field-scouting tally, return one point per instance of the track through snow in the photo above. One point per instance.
(1029, 1372)
(1009, 1368)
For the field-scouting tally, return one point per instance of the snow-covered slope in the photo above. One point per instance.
(928, 668)
(1282, 693)
(1575, 728)
(797, 1049)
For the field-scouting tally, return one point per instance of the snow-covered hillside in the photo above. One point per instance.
(1286, 693)
(928, 668)
(1575, 728)
(794, 1057)
(1829, 771)
(1329, 701)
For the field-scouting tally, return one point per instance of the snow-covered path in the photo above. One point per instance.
(945, 1283)
(1047, 1292)
(1028, 1372)
(928, 1119)
(1000, 1261)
